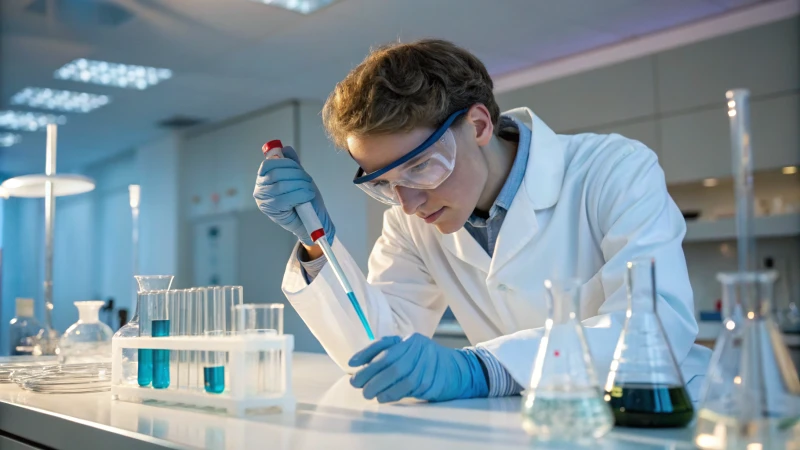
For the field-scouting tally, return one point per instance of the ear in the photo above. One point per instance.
(478, 115)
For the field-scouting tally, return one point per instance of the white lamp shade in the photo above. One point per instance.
(33, 186)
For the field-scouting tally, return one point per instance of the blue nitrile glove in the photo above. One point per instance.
(283, 184)
(417, 367)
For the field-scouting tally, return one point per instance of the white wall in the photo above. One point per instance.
(110, 230)
(158, 167)
(224, 159)
(674, 102)
(333, 172)
(22, 259)
(92, 240)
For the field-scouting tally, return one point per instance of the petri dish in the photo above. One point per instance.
(68, 379)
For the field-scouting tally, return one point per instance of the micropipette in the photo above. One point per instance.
(272, 149)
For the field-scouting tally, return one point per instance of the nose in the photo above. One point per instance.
(410, 198)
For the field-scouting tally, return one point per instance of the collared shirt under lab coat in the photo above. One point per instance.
(587, 204)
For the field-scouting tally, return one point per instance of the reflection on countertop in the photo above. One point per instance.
(330, 414)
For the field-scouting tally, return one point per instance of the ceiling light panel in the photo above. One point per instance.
(9, 139)
(300, 6)
(112, 74)
(58, 100)
(28, 121)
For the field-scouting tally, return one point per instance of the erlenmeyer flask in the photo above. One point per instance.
(564, 401)
(644, 386)
(751, 396)
(130, 357)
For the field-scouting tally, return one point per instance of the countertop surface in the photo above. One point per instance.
(330, 414)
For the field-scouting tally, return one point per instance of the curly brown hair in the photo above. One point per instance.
(399, 87)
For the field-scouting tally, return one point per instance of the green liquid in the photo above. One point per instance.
(651, 406)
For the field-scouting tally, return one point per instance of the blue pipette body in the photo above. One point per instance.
(272, 149)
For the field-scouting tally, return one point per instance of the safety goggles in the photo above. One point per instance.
(425, 167)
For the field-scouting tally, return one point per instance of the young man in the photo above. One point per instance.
(486, 207)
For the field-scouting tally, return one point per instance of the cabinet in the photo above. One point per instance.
(674, 101)
(697, 145)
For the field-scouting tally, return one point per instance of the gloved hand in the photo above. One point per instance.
(283, 184)
(417, 367)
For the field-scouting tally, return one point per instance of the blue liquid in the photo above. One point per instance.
(160, 357)
(214, 379)
(361, 317)
(145, 375)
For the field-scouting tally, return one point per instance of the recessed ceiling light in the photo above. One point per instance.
(789, 170)
(9, 139)
(112, 74)
(28, 121)
(55, 99)
(300, 6)
(710, 182)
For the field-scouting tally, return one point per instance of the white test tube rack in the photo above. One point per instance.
(237, 399)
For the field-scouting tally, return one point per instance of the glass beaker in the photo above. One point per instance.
(23, 328)
(130, 356)
(263, 368)
(564, 401)
(751, 396)
(644, 386)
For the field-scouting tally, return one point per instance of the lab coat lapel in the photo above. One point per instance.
(539, 190)
(467, 249)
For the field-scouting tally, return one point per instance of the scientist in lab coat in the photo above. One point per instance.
(486, 206)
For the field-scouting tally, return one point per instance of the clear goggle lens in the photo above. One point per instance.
(427, 170)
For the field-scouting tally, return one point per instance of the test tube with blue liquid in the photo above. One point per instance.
(141, 360)
(145, 365)
(216, 318)
(160, 327)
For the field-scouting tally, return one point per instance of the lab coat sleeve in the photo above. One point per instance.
(398, 296)
(631, 216)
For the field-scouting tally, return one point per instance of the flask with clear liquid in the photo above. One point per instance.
(751, 396)
(23, 328)
(644, 386)
(564, 401)
(131, 357)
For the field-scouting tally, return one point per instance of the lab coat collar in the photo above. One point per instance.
(540, 189)
(545, 170)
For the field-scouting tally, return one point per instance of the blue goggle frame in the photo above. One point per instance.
(362, 178)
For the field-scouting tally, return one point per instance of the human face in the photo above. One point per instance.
(449, 205)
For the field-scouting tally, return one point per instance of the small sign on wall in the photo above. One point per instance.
(214, 245)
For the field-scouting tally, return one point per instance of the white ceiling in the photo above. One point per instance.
(230, 57)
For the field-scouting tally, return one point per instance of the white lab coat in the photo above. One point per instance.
(587, 204)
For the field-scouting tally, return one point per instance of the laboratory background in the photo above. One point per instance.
(158, 141)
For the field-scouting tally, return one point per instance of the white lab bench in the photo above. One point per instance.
(330, 414)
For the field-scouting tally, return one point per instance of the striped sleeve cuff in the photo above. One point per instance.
(500, 382)
(310, 268)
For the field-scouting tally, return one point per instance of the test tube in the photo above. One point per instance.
(195, 303)
(184, 329)
(742, 159)
(234, 296)
(144, 374)
(215, 326)
(174, 303)
(263, 370)
(160, 327)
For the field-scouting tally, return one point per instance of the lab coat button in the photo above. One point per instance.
(502, 287)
